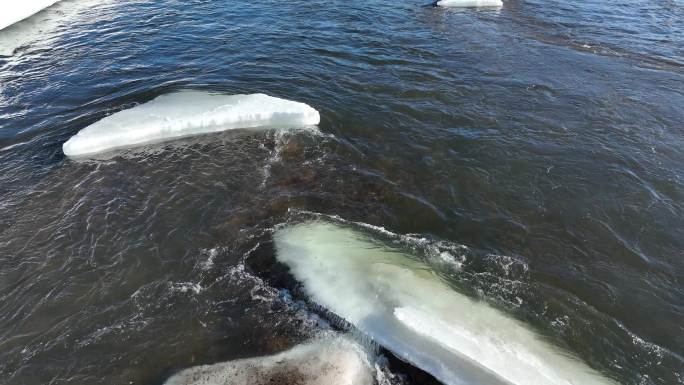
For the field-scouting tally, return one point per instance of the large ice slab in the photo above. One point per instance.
(398, 301)
(329, 361)
(470, 3)
(15, 11)
(188, 113)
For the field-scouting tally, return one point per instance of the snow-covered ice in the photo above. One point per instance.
(470, 3)
(15, 11)
(188, 113)
(397, 300)
(327, 361)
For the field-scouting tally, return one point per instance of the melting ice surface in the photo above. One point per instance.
(395, 298)
(16, 11)
(188, 113)
(470, 3)
(329, 361)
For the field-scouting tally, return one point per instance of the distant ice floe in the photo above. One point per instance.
(188, 113)
(20, 10)
(326, 361)
(470, 3)
(397, 300)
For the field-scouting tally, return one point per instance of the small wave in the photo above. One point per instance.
(589, 28)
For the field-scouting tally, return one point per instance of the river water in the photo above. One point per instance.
(544, 140)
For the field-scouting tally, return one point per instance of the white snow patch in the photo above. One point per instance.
(327, 361)
(470, 3)
(188, 113)
(397, 300)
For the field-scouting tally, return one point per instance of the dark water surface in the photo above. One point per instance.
(546, 136)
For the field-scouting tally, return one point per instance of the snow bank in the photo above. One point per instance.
(20, 10)
(395, 298)
(184, 114)
(470, 3)
(329, 361)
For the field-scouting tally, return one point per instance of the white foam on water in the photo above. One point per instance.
(397, 300)
(470, 3)
(19, 10)
(211, 255)
(326, 361)
(186, 287)
(188, 113)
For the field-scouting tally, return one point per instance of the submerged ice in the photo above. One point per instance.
(398, 301)
(188, 113)
(470, 3)
(327, 361)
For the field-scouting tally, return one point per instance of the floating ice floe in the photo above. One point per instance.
(15, 11)
(185, 114)
(470, 3)
(397, 300)
(328, 361)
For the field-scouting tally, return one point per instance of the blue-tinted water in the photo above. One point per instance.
(545, 136)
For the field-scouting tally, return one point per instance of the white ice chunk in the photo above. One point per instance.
(188, 113)
(15, 11)
(470, 3)
(398, 301)
(329, 361)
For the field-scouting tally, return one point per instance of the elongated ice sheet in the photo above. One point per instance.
(15, 11)
(470, 3)
(399, 302)
(188, 113)
(329, 361)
